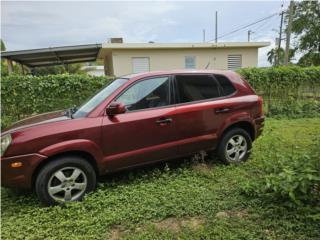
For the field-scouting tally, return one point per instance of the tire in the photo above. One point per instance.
(235, 142)
(65, 179)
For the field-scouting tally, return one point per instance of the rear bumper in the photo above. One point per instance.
(20, 177)
(259, 124)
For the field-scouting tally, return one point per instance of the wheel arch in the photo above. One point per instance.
(85, 155)
(246, 125)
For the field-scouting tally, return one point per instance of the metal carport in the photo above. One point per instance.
(52, 56)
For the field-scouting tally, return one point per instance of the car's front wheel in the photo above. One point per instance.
(235, 146)
(64, 180)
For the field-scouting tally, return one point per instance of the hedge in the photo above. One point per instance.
(287, 91)
(24, 95)
(290, 91)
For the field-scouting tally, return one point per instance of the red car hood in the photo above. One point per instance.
(37, 119)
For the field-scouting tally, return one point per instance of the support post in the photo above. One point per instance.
(279, 43)
(216, 28)
(289, 28)
(21, 68)
(249, 35)
(10, 66)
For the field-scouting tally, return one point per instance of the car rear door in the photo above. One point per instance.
(198, 112)
(146, 132)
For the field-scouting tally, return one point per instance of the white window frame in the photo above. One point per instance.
(194, 62)
(132, 62)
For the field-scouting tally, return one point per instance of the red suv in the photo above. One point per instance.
(136, 120)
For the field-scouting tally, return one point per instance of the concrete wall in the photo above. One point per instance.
(168, 59)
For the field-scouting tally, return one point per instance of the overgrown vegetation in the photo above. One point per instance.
(183, 199)
(26, 95)
(287, 91)
(292, 176)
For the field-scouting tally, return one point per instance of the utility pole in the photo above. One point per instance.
(279, 42)
(203, 35)
(289, 28)
(216, 28)
(249, 34)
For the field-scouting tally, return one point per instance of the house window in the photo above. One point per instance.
(234, 61)
(190, 62)
(140, 64)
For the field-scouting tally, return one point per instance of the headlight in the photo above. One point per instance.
(5, 142)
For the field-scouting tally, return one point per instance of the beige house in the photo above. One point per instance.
(126, 58)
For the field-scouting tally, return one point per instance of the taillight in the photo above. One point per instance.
(260, 105)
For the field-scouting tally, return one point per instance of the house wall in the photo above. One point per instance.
(168, 59)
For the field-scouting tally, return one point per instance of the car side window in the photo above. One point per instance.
(149, 93)
(226, 85)
(196, 87)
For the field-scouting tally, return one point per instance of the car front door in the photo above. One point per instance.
(146, 132)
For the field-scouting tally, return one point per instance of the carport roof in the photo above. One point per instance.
(54, 55)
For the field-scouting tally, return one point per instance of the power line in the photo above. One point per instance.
(260, 30)
(246, 26)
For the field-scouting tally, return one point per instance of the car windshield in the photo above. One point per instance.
(99, 97)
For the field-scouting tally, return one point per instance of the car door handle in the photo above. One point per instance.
(164, 121)
(222, 110)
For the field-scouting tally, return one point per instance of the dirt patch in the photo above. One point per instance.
(172, 224)
(115, 234)
(228, 214)
(175, 224)
(202, 167)
(193, 223)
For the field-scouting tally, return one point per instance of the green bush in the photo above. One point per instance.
(292, 176)
(287, 91)
(26, 95)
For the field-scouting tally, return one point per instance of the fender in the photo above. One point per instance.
(82, 145)
(235, 118)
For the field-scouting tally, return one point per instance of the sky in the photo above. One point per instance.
(39, 24)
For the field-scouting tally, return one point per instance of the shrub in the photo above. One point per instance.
(287, 91)
(23, 95)
(292, 176)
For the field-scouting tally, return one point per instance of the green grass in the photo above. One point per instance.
(183, 199)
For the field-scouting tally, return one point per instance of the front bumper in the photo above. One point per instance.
(259, 124)
(20, 177)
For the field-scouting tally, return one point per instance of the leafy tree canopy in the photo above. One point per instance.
(275, 52)
(306, 28)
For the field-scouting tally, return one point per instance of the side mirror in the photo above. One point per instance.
(115, 108)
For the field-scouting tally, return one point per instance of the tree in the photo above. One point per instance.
(3, 46)
(306, 28)
(273, 53)
(309, 59)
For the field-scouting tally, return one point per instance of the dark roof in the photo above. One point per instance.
(54, 55)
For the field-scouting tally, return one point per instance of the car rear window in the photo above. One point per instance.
(226, 85)
(196, 87)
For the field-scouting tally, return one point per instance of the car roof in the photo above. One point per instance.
(178, 71)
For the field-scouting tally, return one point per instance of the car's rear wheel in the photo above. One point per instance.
(235, 146)
(65, 179)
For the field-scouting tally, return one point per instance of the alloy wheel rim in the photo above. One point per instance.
(236, 148)
(67, 184)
